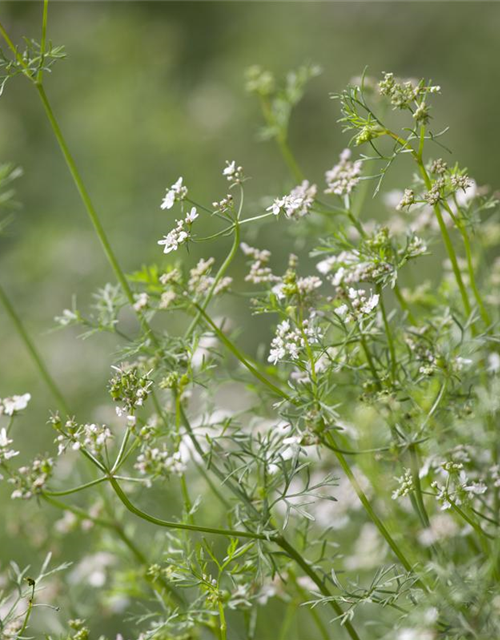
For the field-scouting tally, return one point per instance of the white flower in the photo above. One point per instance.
(141, 301)
(344, 176)
(5, 441)
(191, 216)
(176, 193)
(494, 362)
(360, 305)
(233, 173)
(297, 203)
(289, 342)
(175, 238)
(12, 405)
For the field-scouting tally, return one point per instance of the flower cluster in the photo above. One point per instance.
(260, 272)
(91, 437)
(129, 388)
(358, 305)
(180, 234)
(344, 176)
(297, 203)
(31, 480)
(233, 173)
(15, 404)
(289, 342)
(155, 462)
(200, 282)
(176, 193)
(5, 452)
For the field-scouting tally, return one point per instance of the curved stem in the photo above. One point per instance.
(82, 487)
(179, 525)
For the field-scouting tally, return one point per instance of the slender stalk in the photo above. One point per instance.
(179, 525)
(414, 461)
(220, 273)
(43, 41)
(447, 242)
(388, 333)
(235, 351)
(82, 487)
(404, 304)
(33, 351)
(367, 505)
(302, 562)
(470, 265)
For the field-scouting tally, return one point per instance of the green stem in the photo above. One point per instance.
(220, 274)
(470, 265)
(447, 242)
(43, 41)
(415, 465)
(368, 507)
(179, 525)
(234, 350)
(37, 359)
(82, 487)
(222, 622)
(300, 560)
(388, 333)
(91, 211)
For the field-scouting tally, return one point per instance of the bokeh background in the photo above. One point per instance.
(151, 91)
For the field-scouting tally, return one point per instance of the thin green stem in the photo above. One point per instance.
(81, 487)
(388, 333)
(447, 242)
(235, 351)
(32, 350)
(91, 211)
(470, 264)
(308, 570)
(179, 525)
(224, 267)
(404, 304)
(43, 41)
(367, 505)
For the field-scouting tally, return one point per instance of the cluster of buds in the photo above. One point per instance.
(129, 388)
(31, 480)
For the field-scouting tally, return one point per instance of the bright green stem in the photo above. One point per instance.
(368, 507)
(82, 487)
(388, 333)
(222, 622)
(179, 525)
(28, 343)
(299, 559)
(235, 351)
(289, 158)
(91, 211)
(220, 274)
(447, 242)
(415, 465)
(117, 528)
(369, 359)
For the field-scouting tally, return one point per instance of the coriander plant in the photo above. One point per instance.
(358, 479)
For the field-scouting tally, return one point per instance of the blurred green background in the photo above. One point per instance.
(151, 91)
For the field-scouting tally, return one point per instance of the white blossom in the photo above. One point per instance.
(174, 194)
(344, 176)
(14, 404)
(297, 203)
(233, 173)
